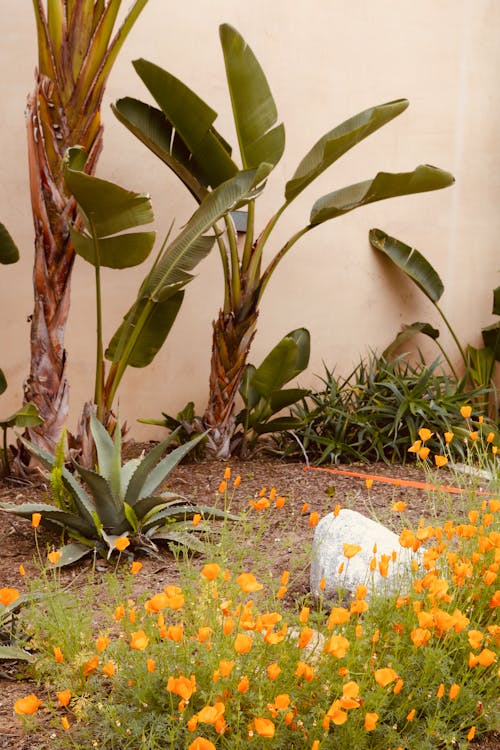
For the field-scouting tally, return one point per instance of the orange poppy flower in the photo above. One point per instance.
(182, 686)
(411, 715)
(313, 519)
(440, 691)
(201, 743)
(210, 714)
(90, 666)
(225, 667)
(399, 506)
(150, 665)
(28, 705)
(242, 643)
(440, 460)
(337, 645)
(54, 556)
(338, 616)
(370, 721)
(135, 567)
(175, 633)
(305, 637)
(425, 434)
(385, 676)
(466, 411)
(448, 436)
(139, 640)
(210, 571)
(336, 714)
(109, 669)
(415, 447)
(243, 684)
(122, 543)
(35, 520)
(248, 583)
(475, 638)
(350, 550)
(264, 727)
(64, 697)
(486, 657)
(454, 691)
(102, 643)
(304, 670)
(423, 453)
(273, 670)
(65, 723)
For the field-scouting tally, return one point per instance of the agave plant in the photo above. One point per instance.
(115, 500)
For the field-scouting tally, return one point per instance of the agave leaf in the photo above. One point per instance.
(8, 248)
(254, 110)
(110, 510)
(383, 185)
(144, 468)
(105, 448)
(71, 553)
(52, 517)
(334, 144)
(408, 332)
(164, 467)
(175, 511)
(411, 262)
(131, 517)
(82, 500)
(15, 653)
(181, 537)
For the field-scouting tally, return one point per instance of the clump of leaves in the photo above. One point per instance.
(115, 502)
(11, 641)
(375, 412)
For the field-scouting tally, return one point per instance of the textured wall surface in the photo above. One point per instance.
(325, 60)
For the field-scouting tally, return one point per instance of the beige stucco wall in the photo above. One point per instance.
(325, 61)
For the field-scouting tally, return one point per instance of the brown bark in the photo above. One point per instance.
(231, 342)
(49, 136)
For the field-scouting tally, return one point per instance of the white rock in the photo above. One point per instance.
(350, 527)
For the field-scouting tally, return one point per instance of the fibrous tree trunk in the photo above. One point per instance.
(52, 208)
(76, 52)
(233, 333)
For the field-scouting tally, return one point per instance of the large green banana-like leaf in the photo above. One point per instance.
(496, 301)
(26, 416)
(411, 262)
(8, 248)
(153, 332)
(254, 110)
(196, 146)
(338, 141)
(383, 185)
(284, 362)
(183, 254)
(120, 251)
(408, 332)
(107, 207)
(491, 338)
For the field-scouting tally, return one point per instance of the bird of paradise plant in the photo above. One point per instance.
(181, 134)
(76, 52)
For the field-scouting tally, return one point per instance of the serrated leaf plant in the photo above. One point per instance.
(116, 505)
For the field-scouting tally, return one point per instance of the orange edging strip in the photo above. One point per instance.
(396, 482)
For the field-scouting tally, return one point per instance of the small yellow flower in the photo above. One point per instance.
(399, 506)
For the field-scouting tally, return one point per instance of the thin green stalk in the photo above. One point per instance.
(235, 277)
(247, 250)
(457, 342)
(99, 367)
(277, 258)
(5, 457)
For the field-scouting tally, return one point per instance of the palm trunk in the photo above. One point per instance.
(232, 338)
(53, 209)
